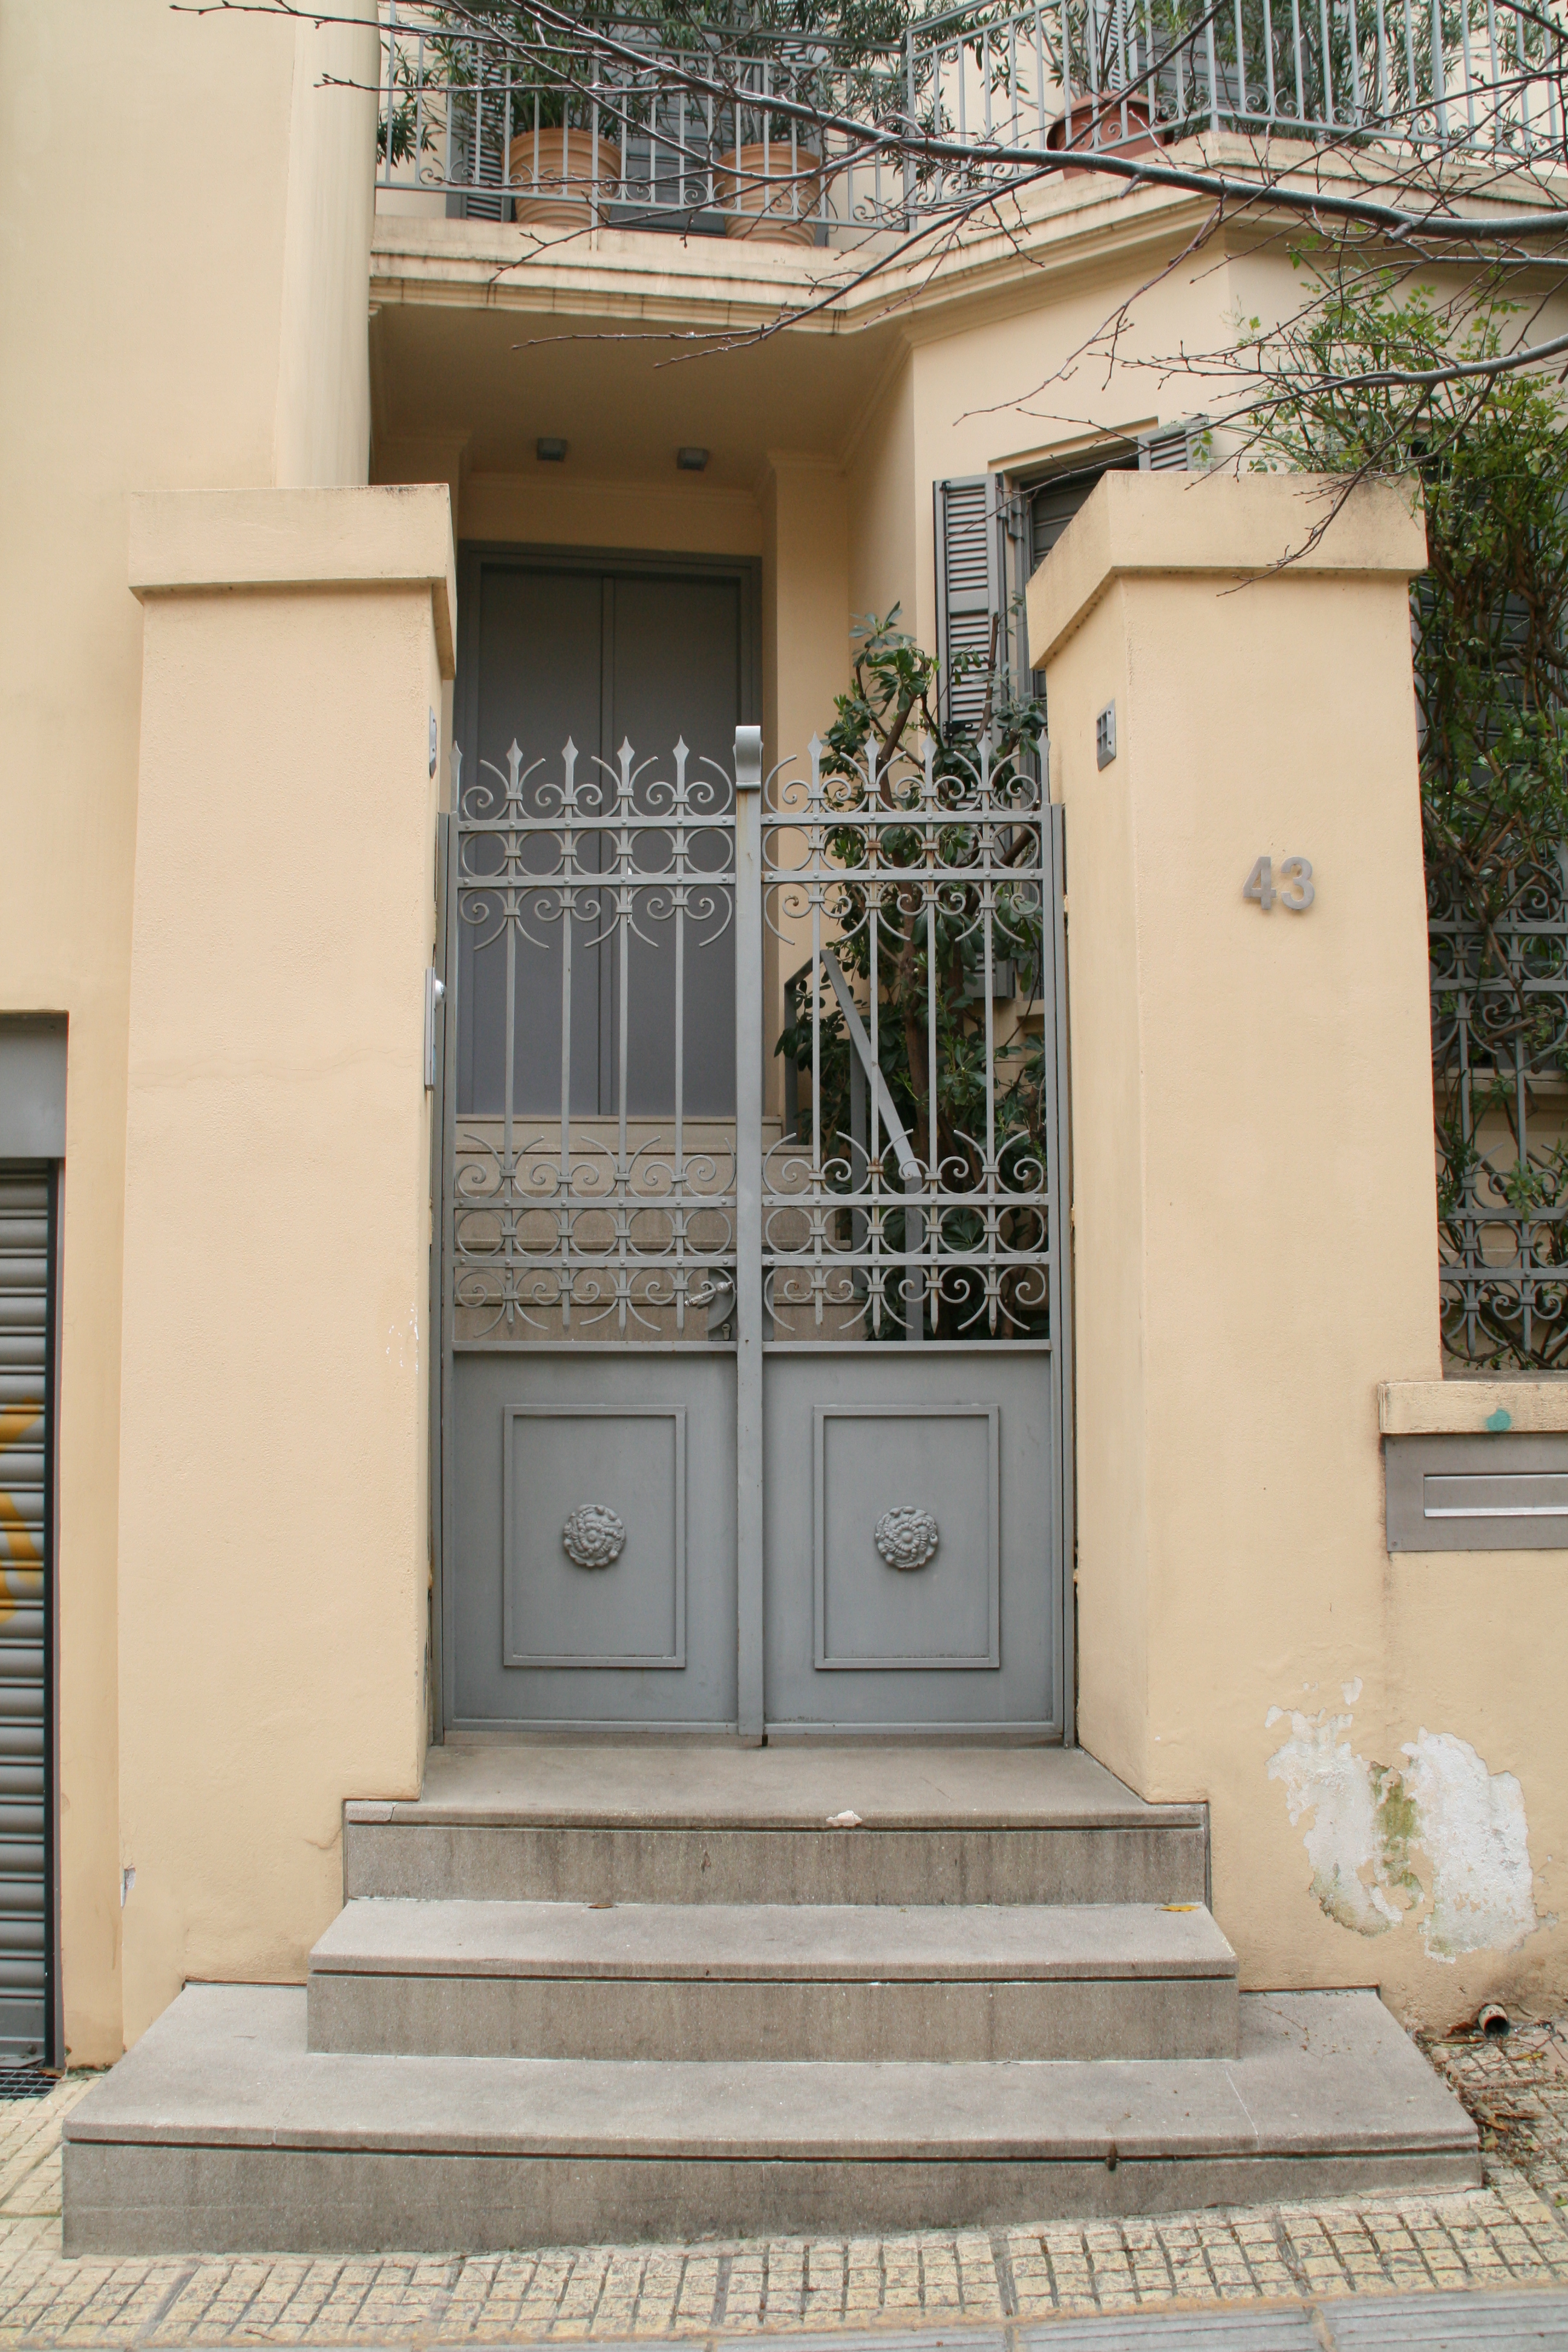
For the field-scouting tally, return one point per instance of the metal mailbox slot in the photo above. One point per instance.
(1503, 1492)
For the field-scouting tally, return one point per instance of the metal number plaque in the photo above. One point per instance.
(1294, 892)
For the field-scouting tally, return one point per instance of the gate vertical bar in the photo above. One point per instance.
(749, 1231)
(445, 851)
(1058, 1134)
(447, 1203)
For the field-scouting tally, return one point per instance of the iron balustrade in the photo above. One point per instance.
(625, 137)
(1499, 1057)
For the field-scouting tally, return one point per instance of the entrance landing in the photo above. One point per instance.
(696, 1784)
(675, 1821)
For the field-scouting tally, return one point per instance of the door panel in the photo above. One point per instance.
(537, 671)
(648, 1637)
(676, 673)
(863, 1634)
(600, 659)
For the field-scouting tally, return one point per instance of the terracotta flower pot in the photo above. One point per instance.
(567, 175)
(1103, 119)
(773, 202)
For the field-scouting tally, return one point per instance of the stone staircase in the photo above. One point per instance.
(617, 1991)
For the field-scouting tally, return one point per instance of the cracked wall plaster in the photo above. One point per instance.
(1368, 1821)
(1473, 1827)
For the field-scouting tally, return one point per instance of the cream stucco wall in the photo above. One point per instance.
(225, 344)
(806, 662)
(879, 471)
(805, 601)
(155, 282)
(273, 1553)
(322, 432)
(551, 507)
(1256, 1252)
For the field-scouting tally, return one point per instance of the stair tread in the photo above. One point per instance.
(1006, 1943)
(700, 1784)
(227, 2067)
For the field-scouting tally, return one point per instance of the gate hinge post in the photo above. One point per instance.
(749, 1697)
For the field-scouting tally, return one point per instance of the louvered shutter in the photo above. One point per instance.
(25, 1453)
(1052, 505)
(1175, 448)
(969, 593)
(478, 134)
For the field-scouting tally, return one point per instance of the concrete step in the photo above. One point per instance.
(848, 1982)
(221, 2130)
(695, 1822)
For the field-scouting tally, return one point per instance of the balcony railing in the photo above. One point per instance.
(786, 141)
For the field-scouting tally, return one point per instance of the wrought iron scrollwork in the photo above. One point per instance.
(1499, 1059)
(564, 1224)
(913, 1197)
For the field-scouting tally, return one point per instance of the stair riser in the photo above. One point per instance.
(135, 2199)
(534, 2017)
(478, 1864)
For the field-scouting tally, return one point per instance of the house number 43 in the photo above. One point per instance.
(1294, 889)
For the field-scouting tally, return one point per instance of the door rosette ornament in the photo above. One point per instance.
(908, 1537)
(593, 1536)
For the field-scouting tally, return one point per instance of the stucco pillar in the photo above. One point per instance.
(805, 646)
(273, 1512)
(805, 599)
(1254, 1207)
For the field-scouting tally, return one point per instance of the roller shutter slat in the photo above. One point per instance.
(24, 1461)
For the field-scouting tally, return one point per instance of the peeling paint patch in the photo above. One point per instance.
(1473, 1827)
(1369, 1820)
(1321, 1775)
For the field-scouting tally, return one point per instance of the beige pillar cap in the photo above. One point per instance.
(1237, 526)
(189, 542)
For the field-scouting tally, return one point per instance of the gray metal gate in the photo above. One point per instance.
(754, 1375)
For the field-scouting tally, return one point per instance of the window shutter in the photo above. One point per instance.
(476, 204)
(970, 530)
(480, 193)
(1049, 508)
(1178, 449)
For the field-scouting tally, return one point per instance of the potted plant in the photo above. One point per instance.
(563, 168)
(1112, 108)
(771, 188)
(1110, 121)
(822, 54)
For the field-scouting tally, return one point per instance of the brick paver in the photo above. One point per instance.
(1513, 2230)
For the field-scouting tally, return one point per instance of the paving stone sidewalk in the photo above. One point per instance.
(1511, 2232)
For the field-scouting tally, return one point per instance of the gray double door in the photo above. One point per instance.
(607, 890)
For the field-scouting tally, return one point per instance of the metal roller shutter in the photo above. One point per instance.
(25, 1281)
